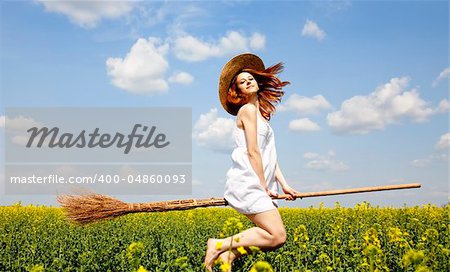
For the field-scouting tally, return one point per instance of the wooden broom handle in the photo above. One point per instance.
(354, 190)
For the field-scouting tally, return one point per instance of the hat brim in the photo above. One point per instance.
(231, 69)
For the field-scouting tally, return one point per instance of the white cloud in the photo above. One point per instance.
(386, 105)
(444, 106)
(257, 41)
(22, 140)
(87, 14)
(17, 127)
(324, 162)
(303, 125)
(181, 78)
(310, 155)
(331, 7)
(420, 163)
(311, 29)
(184, 16)
(444, 74)
(142, 70)
(214, 132)
(444, 142)
(442, 145)
(18, 124)
(305, 105)
(190, 48)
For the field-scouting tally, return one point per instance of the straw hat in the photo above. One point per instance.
(231, 69)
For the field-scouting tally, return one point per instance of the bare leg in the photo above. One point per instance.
(268, 235)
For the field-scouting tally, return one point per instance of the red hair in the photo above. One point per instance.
(269, 94)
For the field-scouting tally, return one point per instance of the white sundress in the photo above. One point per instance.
(243, 191)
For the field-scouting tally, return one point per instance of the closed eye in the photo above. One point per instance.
(243, 81)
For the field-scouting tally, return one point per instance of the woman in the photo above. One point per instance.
(250, 91)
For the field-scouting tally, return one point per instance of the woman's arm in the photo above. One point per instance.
(282, 181)
(248, 118)
(279, 176)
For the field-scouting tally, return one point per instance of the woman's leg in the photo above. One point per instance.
(268, 235)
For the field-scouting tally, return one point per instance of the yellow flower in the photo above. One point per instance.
(261, 266)
(225, 266)
(242, 250)
(141, 269)
(37, 268)
(219, 245)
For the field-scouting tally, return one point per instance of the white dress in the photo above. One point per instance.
(243, 191)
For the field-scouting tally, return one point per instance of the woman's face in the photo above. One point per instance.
(246, 83)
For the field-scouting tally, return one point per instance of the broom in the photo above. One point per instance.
(84, 209)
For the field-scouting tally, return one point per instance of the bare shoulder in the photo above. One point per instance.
(247, 110)
(247, 113)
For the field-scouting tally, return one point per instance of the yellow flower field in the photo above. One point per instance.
(362, 238)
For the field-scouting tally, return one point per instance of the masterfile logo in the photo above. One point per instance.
(108, 150)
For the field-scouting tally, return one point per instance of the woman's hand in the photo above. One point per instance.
(270, 192)
(290, 192)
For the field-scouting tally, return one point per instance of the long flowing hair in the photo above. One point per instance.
(269, 94)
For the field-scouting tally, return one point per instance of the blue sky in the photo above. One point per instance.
(367, 105)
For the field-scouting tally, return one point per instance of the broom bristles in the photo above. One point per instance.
(84, 209)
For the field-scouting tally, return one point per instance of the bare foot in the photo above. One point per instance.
(227, 257)
(212, 253)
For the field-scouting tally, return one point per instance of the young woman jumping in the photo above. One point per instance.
(250, 92)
